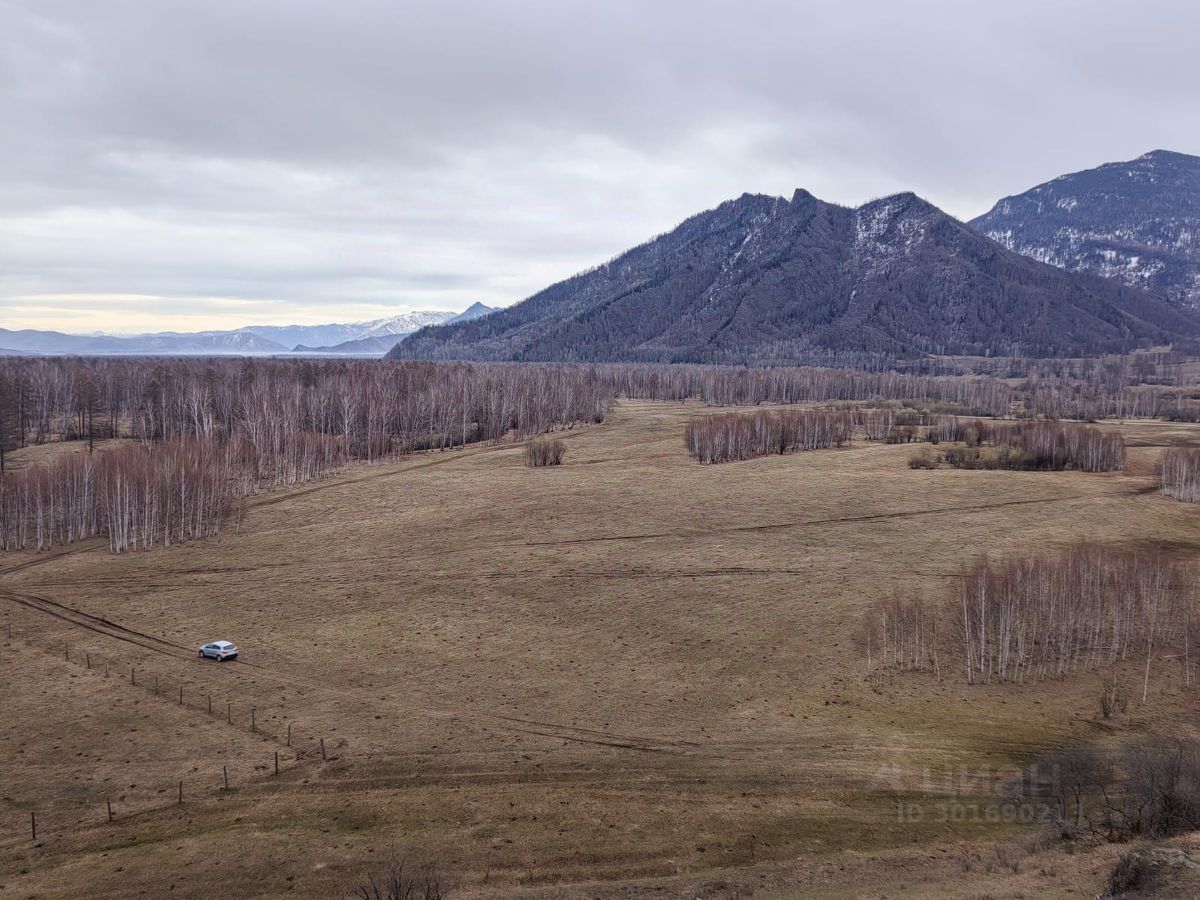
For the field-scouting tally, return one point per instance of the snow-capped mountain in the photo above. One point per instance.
(766, 279)
(1136, 221)
(367, 338)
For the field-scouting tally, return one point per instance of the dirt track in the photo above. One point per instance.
(633, 654)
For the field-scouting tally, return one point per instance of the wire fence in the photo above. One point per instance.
(288, 750)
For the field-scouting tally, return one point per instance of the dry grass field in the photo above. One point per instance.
(630, 675)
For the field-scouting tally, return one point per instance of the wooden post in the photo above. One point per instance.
(33, 823)
(289, 743)
(322, 748)
(276, 762)
(155, 685)
(87, 658)
(210, 704)
(228, 712)
(108, 803)
(106, 670)
(66, 652)
(253, 725)
(132, 676)
(181, 695)
(225, 775)
(181, 790)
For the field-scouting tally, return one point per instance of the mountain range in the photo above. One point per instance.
(767, 279)
(359, 338)
(1135, 221)
(1103, 260)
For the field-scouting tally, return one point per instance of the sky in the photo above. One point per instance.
(198, 164)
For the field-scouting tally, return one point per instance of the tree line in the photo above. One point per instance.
(204, 433)
(375, 404)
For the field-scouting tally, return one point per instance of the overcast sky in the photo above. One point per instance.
(172, 165)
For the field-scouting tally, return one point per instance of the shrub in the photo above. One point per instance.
(402, 881)
(1149, 789)
(923, 459)
(1134, 872)
(544, 451)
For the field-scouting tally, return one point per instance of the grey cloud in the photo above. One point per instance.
(427, 154)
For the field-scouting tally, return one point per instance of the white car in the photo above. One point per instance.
(219, 650)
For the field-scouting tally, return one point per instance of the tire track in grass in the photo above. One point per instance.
(803, 523)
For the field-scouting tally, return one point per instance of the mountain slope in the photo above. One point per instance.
(376, 345)
(1136, 221)
(766, 279)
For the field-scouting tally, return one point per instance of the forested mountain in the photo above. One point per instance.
(763, 279)
(1136, 221)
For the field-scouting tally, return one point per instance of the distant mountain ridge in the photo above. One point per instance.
(378, 341)
(765, 279)
(374, 337)
(1135, 221)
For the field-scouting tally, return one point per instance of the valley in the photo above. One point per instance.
(628, 675)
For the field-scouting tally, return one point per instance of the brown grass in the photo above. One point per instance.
(658, 686)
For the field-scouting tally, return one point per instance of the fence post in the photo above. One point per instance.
(181, 790)
(87, 658)
(181, 695)
(225, 775)
(108, 803)
(322, 748)
(155, 685)
(33, 823)
(228, 712)
(253, 725)
(289, 743)
(132, 675)
(66, 653)
(276, 762)
(106, 670)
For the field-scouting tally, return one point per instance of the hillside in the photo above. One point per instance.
(1136, 221)
(767, 279)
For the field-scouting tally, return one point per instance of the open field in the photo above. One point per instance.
(630, 675)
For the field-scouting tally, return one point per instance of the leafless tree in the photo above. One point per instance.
(1180, 474)
(1035, 617)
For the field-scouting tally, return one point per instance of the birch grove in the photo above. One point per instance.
(1036, 617)
(1180, 474)
(738, 436)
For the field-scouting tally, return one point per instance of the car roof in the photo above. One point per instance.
(221, 644)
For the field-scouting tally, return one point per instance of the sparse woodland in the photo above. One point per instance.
(254, 424)
(1039, 616)
(205, 433)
